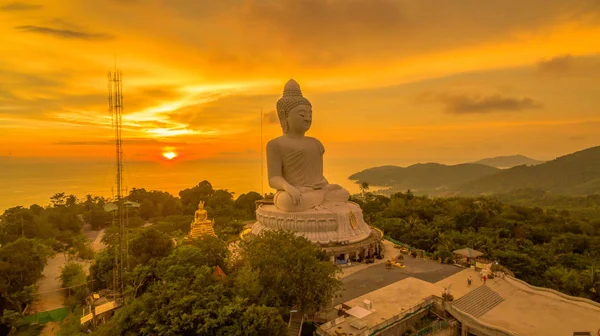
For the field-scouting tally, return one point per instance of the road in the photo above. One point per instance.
(50, 296)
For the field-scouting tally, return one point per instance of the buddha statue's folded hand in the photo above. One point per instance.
(294, 193)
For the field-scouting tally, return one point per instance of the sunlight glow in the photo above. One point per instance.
(170, 155)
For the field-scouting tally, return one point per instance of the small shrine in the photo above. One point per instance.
(201, 225)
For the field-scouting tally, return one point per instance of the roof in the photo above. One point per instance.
(358, 311)
(468, 253)
(219, 273)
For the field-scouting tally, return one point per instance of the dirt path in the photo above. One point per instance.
(50, 296)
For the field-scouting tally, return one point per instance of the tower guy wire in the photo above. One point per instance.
(262, 160)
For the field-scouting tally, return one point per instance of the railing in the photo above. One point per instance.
(425, 304)
(473, 323)
(552, 291)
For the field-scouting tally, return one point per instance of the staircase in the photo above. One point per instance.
(295, 324)
(483, 299)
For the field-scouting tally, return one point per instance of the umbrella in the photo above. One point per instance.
(468, 253)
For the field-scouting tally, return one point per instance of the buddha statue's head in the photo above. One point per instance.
(201, 205)
(294, 111)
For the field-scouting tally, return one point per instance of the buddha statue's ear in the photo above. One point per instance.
(284, 126)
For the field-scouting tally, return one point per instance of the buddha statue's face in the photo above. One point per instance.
(299, 119)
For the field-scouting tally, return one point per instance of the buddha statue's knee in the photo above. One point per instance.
(335, 193)
(308, 200)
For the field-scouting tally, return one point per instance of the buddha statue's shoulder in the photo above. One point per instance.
(285, 143)
(317, 143)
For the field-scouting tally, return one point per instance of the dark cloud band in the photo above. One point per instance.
(65, 34)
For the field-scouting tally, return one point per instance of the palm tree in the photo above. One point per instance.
(363, 186)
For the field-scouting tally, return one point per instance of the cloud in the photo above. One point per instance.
(128, 141)
(65, 34)
(569, 66)
(556, 65)
(275, 35)
(84, 143)
(232, 110)
(479, 104)
(19, 6)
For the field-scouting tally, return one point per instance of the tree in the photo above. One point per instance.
(72, 274)
(147, 244)
(245, 203)
(363, 186)
(21, 265)
(71, 201)
(58, 199)
(192, 196)
(299, 274)
(186, 299)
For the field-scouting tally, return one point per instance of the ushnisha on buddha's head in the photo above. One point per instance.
(294, 111)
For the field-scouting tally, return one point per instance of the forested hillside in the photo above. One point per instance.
(545, 247)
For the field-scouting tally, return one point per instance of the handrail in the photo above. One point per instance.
(428, 301)
(555, 292)
(473, 322)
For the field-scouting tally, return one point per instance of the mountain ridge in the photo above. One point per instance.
(577, 173)
(508, 161)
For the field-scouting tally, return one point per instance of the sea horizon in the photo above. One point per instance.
(33, 180)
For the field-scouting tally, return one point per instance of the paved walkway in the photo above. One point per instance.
(389, 253)
(374, 277)
(457, 283)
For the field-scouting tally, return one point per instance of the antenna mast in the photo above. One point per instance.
(262, 169)
(115, 107)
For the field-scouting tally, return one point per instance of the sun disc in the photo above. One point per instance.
(170, 155)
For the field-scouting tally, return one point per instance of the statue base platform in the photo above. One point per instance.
(338, 223)
(201, 229)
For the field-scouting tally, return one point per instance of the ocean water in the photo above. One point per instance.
(26, 181)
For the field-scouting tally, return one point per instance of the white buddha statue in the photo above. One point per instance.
(295, 161)
(305, 202)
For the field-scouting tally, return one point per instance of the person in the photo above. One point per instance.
(484, 278)
(469, 281)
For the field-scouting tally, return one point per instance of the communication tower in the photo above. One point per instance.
(115, 107)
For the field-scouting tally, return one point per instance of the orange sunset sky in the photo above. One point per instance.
(399, 80)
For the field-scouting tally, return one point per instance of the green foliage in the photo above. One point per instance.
(299, 274)
(21, 264)
(180, 296)
(97, 217)
(71, 326)
(544, 247)
(73, 274)
(148, 243)
(192, 196)
(574, 174)
(102, 269)
(174, 223)
(154, 203)
(245, 203)
(11, 318)
(228, 230)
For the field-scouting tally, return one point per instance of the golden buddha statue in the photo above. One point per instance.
(201, 224)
